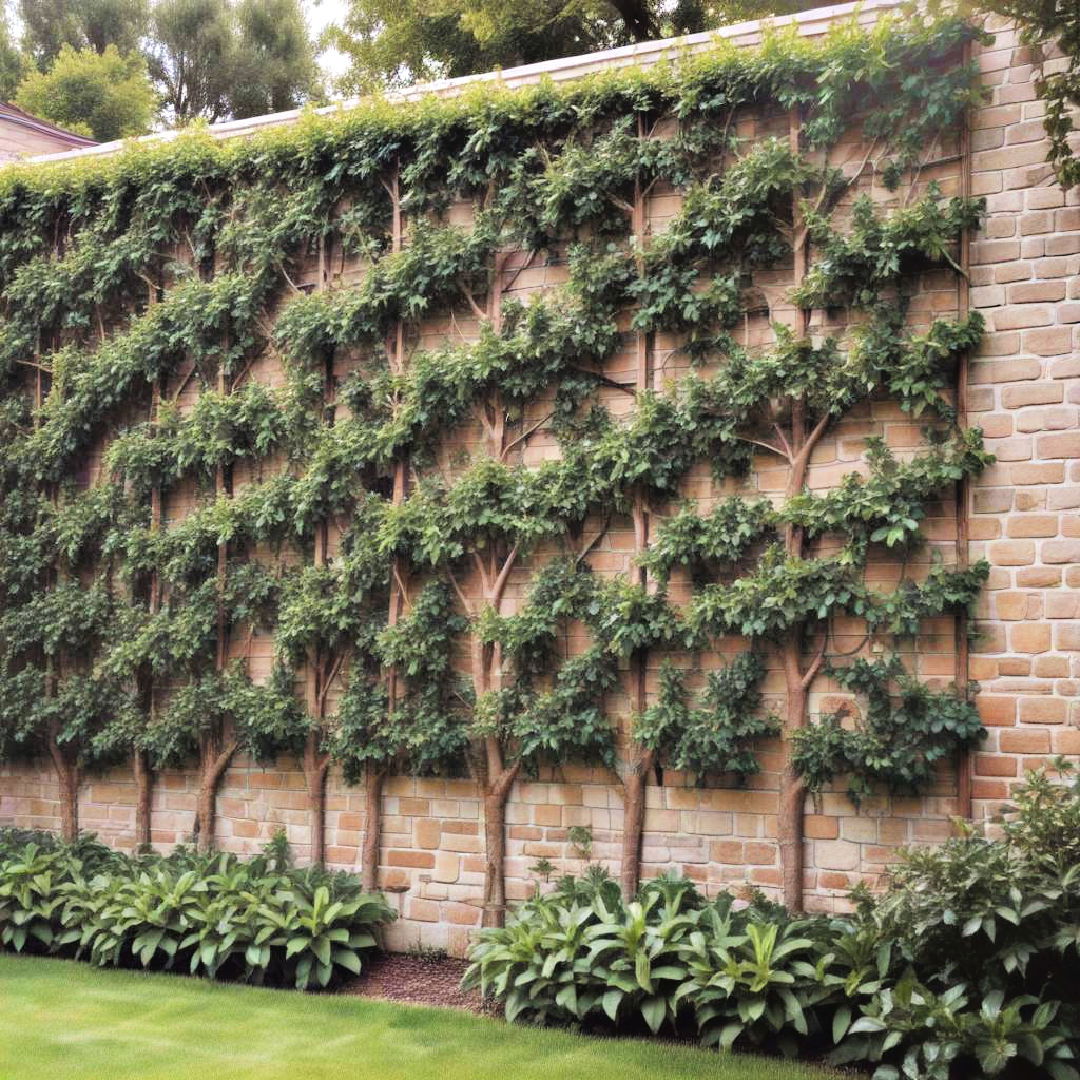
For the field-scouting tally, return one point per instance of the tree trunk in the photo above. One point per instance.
(792, 794)
(205, 813)
(315, 769)
(495, 854)
(494, 857)
(636, 779)
(496, 794)
(789, 820)
(67, 778)
(372, 849)
(144, 788)
(211, 770)
(634, 786)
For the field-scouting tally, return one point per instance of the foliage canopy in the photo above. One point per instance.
(145, 292)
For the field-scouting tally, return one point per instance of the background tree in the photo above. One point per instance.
(49, 25)
(403, 41)
(12, 62)
(275, 64)
(104, 95)
(217, 60)
(191, 55)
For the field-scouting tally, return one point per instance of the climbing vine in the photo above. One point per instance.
(304, 389)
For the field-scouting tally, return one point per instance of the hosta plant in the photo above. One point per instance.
(212, 915)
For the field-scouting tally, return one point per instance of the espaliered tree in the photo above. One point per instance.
(474, 528)
(783, 401)
(56, 702)
(327, 617)
(375, 768)
(729, 224)
(420, 509)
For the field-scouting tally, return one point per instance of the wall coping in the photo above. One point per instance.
(744, 34)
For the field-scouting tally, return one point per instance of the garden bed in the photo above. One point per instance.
(419, 979)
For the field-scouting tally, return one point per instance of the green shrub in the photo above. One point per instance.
(668, 959)
(214, 915)
(963, 966)
(909, 1031)
(996, 915)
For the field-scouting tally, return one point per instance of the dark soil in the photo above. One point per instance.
(418, 980)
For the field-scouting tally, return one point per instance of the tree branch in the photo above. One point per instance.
(524, 435)
(478, 311)
(504, 573)
(771, 447)
(815, 664)
(457, 588)
(587, 549)
(331, 675)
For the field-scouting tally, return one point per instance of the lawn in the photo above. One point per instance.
(63, 1020)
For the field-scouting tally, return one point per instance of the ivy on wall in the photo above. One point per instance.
(145, 296)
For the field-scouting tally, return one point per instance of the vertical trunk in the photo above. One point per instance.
(375, 775)
(144, 787)
(212, 765)
(67, 779)
(497, 782)
(496, 794)
(792, 796)
(315, 769)
(487, 659)
(790, 817)
(636, 772)
(494, 858)
(320, 674)
(205, 812)
(496, 789)
(633, 794)
(213, 761)
(371, 853)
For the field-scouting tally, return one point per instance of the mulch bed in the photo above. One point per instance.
(419, 980)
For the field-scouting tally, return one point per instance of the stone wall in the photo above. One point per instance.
(1024, 392)
(1023, 389)
(431, 864)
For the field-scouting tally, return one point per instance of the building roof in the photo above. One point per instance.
(807, 23)
(14, 115)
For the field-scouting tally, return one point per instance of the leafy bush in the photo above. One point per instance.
(939, 1036)
(963, 966)
(214, 915)
(667, 959)
(997, 915)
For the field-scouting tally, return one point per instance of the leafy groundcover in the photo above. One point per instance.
(964, 966)
(215, 915)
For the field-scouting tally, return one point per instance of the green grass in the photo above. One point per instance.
(61, 1020)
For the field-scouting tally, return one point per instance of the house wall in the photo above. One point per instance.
(1022, 515)
(19, 141)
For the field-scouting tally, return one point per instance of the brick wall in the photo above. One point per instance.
(1024, 390)
(1025, 394)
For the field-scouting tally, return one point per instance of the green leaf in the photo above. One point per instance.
(654, 1010)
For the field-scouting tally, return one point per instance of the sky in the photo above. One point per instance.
(320, 13)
